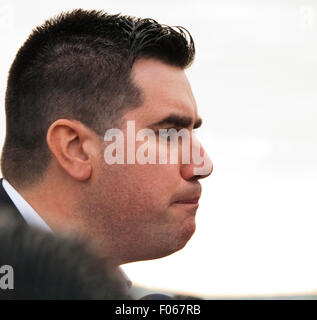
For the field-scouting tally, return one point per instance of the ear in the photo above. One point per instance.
(74, 147)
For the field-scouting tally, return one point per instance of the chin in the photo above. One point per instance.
(188, 230)
(178, 244)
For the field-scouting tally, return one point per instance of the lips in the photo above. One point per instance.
(189, 195)
(188, 201)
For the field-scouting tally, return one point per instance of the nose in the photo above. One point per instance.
(200, 166)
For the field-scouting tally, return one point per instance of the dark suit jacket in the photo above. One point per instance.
(7, 206)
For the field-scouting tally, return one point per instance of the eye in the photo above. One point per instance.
(170, 134)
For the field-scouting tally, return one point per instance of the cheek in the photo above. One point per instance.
(149, 178)
(159, 182)
(139, 188)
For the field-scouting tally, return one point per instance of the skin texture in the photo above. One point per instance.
(128, 212)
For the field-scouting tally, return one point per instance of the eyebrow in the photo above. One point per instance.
(178, 121)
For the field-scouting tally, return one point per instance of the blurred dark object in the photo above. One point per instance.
(50, 267)
(156, 296)
(185, 297)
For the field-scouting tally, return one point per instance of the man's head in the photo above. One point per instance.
(78, 66)
(75, 77)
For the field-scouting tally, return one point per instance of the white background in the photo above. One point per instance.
(255, 80)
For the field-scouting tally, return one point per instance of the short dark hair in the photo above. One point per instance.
(77, 65)
(49, 266)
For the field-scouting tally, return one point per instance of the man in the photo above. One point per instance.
(77, 76)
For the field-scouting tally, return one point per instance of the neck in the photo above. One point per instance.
(53, 202)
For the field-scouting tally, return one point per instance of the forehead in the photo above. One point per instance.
(165, 90)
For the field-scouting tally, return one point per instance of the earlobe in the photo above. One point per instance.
(65, 139)
(80, 171)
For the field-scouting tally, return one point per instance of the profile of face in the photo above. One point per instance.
(147, 211)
